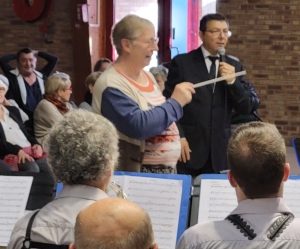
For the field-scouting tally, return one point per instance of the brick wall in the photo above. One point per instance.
(16, 34)
(266, 38)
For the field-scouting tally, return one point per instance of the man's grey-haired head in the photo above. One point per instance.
(82, 147)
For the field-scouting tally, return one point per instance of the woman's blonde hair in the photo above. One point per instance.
(128, 28)
(57, 81)
(92, 78)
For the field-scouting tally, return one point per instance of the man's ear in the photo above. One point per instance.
(72, 246)
(231, 179)
(110, 173)
(201, 34)
(90, 86)
(154, 246)
(287, 170)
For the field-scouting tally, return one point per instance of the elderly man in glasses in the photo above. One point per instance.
(205, 125)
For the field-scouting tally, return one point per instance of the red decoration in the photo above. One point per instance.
(31, 10)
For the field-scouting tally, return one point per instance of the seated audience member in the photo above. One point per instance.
(82, 153)
(113, 223)
(258, 169)
(54, 105)
(160, 74)
(128, 96)
(26, 84)
(12, 102)
(4, 167)
(237, 118)
(89, 82)
(17, 147)
(102, 64)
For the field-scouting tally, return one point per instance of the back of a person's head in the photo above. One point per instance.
(99, 63)
(24, 51)
(159, 71)
(92, 78)
(82, 147)
(256, 157)
(113, 223)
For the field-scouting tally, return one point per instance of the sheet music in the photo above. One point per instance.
(161, 198)
(291, 196)
(218, 199)
(14, 192)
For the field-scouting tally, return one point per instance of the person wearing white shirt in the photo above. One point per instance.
(82, 153)
(258, 169)
(14, 138)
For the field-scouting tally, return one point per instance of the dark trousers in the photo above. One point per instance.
(4, 167)
(39, 165)
(206, 169)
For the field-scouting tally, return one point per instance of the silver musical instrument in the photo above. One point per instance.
(117, 189)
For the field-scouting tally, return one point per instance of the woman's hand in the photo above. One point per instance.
(38, 150)
(185, 150)
(22, 157)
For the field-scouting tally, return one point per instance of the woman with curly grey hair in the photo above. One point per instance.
(82, 153)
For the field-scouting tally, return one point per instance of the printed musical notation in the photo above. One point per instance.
(218, 199)
(14, 191)
(161, 199)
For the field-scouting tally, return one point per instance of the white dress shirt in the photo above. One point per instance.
(12, 131)
(259, 214)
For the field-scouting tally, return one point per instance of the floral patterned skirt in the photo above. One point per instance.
(158, 169)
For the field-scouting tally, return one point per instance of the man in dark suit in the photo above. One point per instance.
(205, 125)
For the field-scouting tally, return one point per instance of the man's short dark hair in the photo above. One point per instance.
(256, 157)
(211, 17)
(98, 64)
(24, 51)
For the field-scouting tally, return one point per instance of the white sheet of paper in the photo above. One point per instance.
(218, 199)
(161, 198)
(14, 192)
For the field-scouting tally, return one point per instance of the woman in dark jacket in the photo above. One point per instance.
(17, 147)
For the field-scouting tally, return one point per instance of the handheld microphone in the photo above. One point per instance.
(221, 52)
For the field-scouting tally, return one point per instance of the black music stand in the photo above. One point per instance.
(42, 190)
(296, 145)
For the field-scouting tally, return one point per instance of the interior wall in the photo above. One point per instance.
(16, 34)
(70, 44)
(266, 38)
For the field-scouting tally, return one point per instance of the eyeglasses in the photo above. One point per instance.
(70, 88)
(150, 42)
(217, 33)
(2, 89)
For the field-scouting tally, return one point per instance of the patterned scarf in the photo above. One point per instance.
(62, 107)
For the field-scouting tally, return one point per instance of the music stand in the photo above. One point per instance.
(296, 145)
(42, 189)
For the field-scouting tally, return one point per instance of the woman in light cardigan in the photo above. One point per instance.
(54, 105)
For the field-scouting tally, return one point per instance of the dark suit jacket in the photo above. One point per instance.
(206, 120)
(6, 147)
